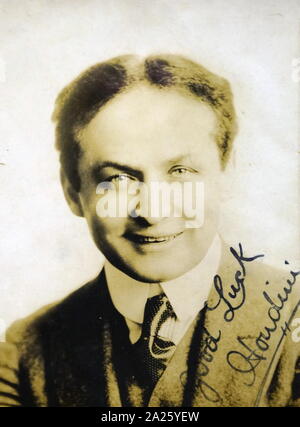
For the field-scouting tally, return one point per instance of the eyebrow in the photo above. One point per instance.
(180, 158)
(124, 168)
(132, 171)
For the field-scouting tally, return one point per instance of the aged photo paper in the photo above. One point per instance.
(149, 190)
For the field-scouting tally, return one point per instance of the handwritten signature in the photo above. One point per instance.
(209, 343)
(250, 355)
(231, 300)
(247, 360)
(209, 346)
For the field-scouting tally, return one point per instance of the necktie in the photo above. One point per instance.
(152, 350)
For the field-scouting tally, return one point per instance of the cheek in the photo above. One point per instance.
(107, 229)
(212, 197)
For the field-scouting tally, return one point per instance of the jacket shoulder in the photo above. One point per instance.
(57, 315)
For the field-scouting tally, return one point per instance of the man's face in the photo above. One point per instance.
(150, 135)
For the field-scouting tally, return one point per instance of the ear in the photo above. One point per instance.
(71, 195)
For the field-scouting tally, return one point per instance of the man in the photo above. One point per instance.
(176, 317)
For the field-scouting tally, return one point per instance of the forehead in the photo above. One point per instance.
(149, 122)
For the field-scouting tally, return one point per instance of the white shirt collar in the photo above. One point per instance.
(187, 293)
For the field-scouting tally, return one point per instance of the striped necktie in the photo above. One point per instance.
(152, 350)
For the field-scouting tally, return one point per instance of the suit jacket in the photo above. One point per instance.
(240, 350)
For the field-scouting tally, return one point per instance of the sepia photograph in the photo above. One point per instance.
(150, 220)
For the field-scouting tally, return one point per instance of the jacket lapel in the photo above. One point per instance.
(79, 353)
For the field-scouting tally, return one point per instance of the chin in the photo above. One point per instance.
(161, 274)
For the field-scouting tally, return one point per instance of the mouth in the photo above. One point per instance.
(147, 239)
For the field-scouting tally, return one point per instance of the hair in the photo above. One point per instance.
(80, 101)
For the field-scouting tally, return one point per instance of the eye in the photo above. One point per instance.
(119, 178)
(182, 171)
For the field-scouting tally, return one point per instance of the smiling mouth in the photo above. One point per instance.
(143, 239)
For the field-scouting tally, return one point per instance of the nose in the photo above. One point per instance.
(149, 208)
(148, 220)
(145, 215)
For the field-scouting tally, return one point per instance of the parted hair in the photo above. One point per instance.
(80, 100)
